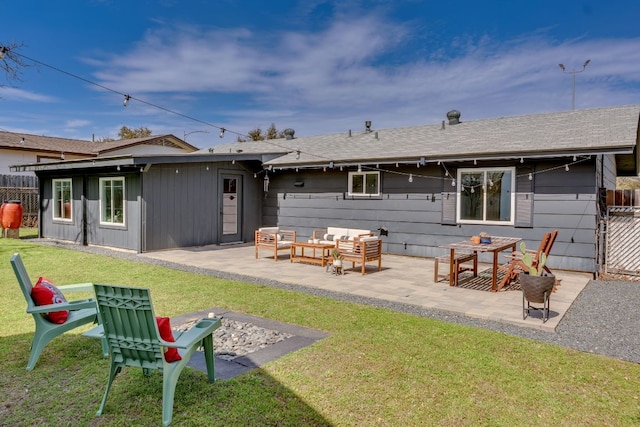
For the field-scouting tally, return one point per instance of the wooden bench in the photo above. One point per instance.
(458, 266)
(361, 251)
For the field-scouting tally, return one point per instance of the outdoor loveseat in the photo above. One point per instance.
(333, 234)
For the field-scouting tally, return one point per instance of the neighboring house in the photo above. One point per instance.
(20, 148)
(425, 185)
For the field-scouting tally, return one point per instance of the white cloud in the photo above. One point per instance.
(76, 123)
(12, 93)
(334, 79)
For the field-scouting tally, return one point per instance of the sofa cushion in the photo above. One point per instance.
(357, 232)
(269, 229)
(338, 231)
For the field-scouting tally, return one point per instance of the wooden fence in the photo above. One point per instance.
(623, 197)
(24, 189)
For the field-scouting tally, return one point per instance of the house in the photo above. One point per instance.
(21, 148)
(425, 186)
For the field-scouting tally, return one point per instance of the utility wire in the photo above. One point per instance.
(128, 96)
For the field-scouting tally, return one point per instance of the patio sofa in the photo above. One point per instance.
(333, 234)
(274, 239)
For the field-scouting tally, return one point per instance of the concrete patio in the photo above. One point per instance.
(403, 279)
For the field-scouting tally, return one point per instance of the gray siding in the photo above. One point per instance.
(412, 212)
(182, 209)
(127, 237)
(606, 177)
(63, 230)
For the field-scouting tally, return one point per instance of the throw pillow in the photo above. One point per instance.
(164, 326)
(328, 237)
(45, 293)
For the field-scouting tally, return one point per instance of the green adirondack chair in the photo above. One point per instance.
(81, 312)
(129, 324)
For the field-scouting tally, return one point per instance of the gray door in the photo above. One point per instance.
(231, 206)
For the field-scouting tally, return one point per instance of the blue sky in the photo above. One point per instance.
(315, 66)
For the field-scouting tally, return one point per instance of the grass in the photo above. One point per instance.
(378, 367)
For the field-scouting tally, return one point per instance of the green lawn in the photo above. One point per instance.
(377, 368)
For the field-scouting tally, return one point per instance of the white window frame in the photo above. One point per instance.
(102, 182)
(364, 175)
(57, 212)
(512, 198)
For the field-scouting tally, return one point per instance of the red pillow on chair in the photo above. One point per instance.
(44, 293)
(164, 326)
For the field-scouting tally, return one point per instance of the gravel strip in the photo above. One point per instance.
(603, 319)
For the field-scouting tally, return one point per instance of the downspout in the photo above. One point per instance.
(83, 204)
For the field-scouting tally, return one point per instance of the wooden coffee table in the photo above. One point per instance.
(320, 252)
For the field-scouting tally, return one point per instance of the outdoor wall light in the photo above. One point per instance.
(266, 183)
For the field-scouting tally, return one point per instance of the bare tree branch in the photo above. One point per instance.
(11, 62)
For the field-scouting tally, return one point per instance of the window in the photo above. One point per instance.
(112, 201)
(62, 202)
(364, 183)
(486, 196)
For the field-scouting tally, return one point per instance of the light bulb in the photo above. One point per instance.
(530, 176)
(126, 100)
(222, 133)
(410, 178)
(566, 167)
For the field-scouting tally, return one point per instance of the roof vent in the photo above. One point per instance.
(288, 133)
(454, 117)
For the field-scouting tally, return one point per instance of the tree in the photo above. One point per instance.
(128, 133)
(257, 135)
(11, 61)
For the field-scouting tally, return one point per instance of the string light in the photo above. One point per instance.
(128, 97)
(359, 168)
(410, 177)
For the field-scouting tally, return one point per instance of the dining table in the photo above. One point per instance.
(496, 246)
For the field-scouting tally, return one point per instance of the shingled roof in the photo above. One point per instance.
(603, 130)
(56, 145)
